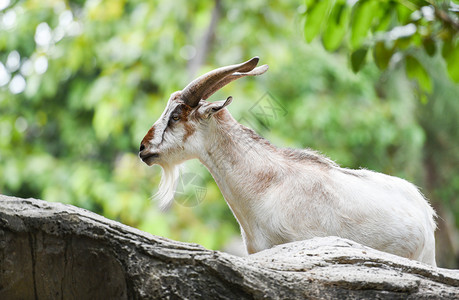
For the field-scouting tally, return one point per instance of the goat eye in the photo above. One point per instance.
(175, 118)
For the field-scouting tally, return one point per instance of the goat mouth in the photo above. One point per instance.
(148, 158)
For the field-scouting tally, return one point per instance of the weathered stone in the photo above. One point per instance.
(57, 251)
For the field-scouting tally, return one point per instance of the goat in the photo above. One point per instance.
(280, 195)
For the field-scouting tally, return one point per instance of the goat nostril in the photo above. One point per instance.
(142, 147)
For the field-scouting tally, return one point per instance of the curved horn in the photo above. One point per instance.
(196, 89)
(255, 72)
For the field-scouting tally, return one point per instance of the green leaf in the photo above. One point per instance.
(386, 16)
(309, 3)
(382, 55)
(358, 58)
(451, 54)
(447, 48)
(415, 70)
(406, 41)
(316, 16)
(363, 16)
(403, 14)
(429, 45)
(336, 26)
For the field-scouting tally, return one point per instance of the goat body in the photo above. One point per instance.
(283, 195)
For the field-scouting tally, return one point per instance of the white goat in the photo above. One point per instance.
(282, 195)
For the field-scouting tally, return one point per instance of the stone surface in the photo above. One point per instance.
(57, 251)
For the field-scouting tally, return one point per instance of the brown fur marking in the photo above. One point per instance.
(149, 136)
(185, 115)
(221, 116)
(189, 130)
(263, 180)
(185, 112)
(307, 156)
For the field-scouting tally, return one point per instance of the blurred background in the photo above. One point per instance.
(81, 82)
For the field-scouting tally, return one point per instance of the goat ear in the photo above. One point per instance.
(216, 106)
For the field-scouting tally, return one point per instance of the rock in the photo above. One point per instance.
(57, 251)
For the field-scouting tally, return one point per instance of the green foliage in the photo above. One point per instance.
(358, 58)
(363, 15)
(391, 30)
(316, 19)
(414, 69)
(336, 27)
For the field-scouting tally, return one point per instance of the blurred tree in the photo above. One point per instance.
(82, 81)
(390, 30)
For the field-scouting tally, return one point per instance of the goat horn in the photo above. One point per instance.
(257, 71)
(201, 86)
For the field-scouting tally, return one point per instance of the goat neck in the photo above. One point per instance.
(242, 164)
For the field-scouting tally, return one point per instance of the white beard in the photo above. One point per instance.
(167, 186)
